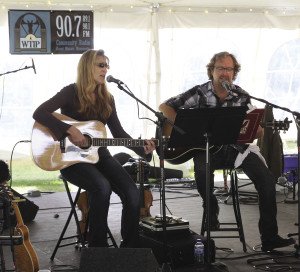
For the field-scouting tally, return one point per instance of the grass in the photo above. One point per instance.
(291, 146)
(27, 176)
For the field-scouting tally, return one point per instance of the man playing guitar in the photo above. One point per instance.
(223, 69)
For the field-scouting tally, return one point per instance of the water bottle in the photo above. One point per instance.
(199, 252)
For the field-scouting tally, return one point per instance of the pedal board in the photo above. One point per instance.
(155, 224)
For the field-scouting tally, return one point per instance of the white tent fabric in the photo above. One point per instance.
(158, 55)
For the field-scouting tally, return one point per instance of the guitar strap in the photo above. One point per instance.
(5, 207)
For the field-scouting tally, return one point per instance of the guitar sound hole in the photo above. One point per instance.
(88, 142)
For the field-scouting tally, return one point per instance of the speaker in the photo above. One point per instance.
(97, 259)
(27, 208)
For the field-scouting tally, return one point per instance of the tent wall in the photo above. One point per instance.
(158, 54)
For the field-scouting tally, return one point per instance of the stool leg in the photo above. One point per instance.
(73, 205)
(236, 208)
(110, 236)
(65, 226)
(203, 222)
(72, 212)
(229, 195)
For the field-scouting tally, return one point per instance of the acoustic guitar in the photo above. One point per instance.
(50, 154)
(179, 155)
(26, 259)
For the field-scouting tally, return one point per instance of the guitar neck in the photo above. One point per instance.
(18, 215)
(119, 142)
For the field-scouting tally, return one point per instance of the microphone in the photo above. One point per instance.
(228, 87)
(112, 79)
(33, 66)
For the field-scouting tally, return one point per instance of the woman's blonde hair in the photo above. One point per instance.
(86, 86)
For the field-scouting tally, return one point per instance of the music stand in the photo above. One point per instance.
(203, 127)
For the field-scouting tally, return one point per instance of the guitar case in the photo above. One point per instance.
(180, 247)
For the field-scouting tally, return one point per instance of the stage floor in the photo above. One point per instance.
(181, 201)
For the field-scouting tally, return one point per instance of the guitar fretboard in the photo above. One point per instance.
(118, 142)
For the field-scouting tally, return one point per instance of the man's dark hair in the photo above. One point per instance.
(4, 172)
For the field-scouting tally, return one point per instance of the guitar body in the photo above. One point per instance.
(179, 155)
(46, 150)
(50, 154)
(26, 259)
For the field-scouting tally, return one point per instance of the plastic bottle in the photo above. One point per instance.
(199, 252)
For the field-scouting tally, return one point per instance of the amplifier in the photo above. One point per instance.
(291, 167)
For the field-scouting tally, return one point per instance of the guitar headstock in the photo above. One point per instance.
(5, 189)
(7, 193)
(278, 125)
(5, 200)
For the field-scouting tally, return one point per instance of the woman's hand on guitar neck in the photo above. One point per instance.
(76, 137)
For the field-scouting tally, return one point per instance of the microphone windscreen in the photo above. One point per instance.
(109, 78)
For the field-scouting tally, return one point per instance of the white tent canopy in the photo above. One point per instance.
(160, 49)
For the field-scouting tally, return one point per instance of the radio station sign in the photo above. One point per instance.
(46, 32)
(71, 31)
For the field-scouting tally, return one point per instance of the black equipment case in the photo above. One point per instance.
(179, 246)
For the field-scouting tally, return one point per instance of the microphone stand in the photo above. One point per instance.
(14, 71)
(296, 116)
(160, 123)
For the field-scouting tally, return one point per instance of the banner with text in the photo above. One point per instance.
(46, 32)
(71, 31)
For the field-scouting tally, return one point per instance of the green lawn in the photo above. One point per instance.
(27, 176)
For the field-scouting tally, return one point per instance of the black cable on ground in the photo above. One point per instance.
(277, 261)
(242, 257)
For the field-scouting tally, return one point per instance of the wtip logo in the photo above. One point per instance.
(30, 33)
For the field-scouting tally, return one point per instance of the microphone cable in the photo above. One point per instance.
(11, 157)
